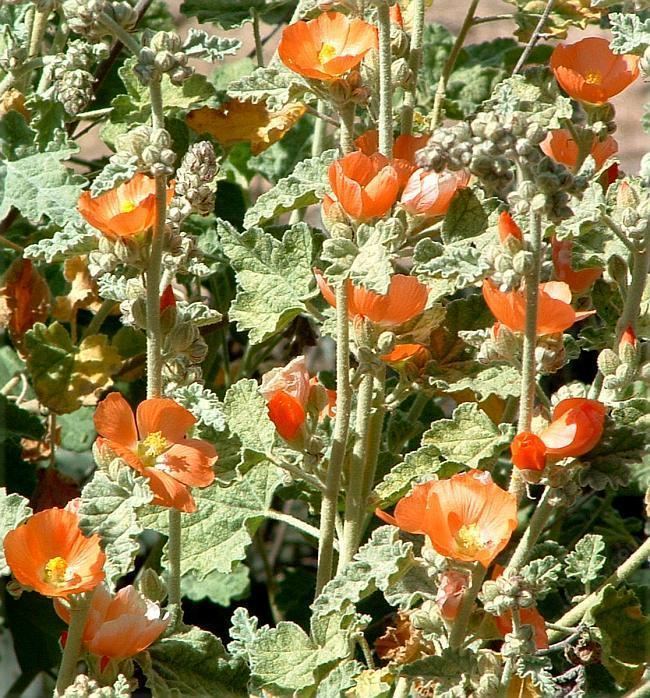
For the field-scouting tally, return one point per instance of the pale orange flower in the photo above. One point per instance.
(578, 281)
(466, 518)
(554, 312)
(326, 47)
(50, 554)
(591, 72)
(560, 146)
(237, 121)
(286, 391)
(508, 228)
(429, 193)
(402, 354)
(155, 445)
(406, 299)
(450, 593)
(126, 211)
(119, 625)
(365, 186)
(404, 149)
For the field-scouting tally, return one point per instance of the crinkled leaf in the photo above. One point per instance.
(369, 266)
(203, 404)
(585, 560)
(200, 44)
(275, 86)
(469, 437)
(218, 587)
(274, 277)
(538, 671)
(463, 264)
(199, 314)
(630, 33)
(75, 239)
(109, 506)
(608, 465)
(447, 669)
(305, 186)
(542, 575)
(14, 509)
(114, 174)
(503, 381)
(247, 416)
(376, 565)
(466, 217)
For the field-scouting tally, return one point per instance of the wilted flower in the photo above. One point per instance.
(554, 311)
(155, 445)
(450, 592)
(406, 298)
(429, 193)
(125, 211)
(326, 47)
(286, 391)
(402, 354)
(560, 146)
(404, 149)
(50, 554)
(466, 517)
(578, 281)
(591, 72)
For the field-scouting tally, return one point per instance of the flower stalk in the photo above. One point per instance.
(459, 628)
(385, 81)
(535, 527)
(415, 60)
(79, 607)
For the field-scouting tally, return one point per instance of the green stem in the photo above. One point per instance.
(448, 69)
(536, 525)
(412, 416)
(508, 668)
(528, 367)
(576, 614)
(79, 607)
(174, 557)
(367, 652)
(385, 81)
(320, 128)
(415, 60)
(5, 242)
(534, 38)
(374, 436)
(354, 490)
(298, 524)
(259, 47)
(346, 128)
(329, 502)
(615, 228)
(640, 264)
(120, 34)
(104, 311)
(271, 587)
(459, 628)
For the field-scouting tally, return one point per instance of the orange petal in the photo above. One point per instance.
(288, 415)
(166, 416)
(169, 492)
(114, 421)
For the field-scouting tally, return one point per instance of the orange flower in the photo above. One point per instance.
(365, 186)
(125, 211)
(395, 14)
(155, 444)
(417, 354)
(406, 299)
(450, 593)
(578, 281)
(528, 452)
(326, 47)
(429, 193)
(404, 149)
(237, 121)
(508, 228)
(560, 146)
(591, 72)
(120, 625)
(50, 554)
(576, 427)
(286, 391)
(554, 312)
(466, 518)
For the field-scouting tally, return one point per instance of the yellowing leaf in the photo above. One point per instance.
(83, 293)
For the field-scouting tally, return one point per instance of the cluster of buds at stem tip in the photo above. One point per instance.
(621, 367)
(632, 211)
(148, 148)
(163, 54)
(85, 16)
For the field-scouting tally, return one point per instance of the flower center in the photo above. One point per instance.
(128, 206)
(594, 78)
(154, 445)
(55, 570)
(469, 539)
(327, 52)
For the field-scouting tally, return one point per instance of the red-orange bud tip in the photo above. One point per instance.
(508, 227)
(528, 452)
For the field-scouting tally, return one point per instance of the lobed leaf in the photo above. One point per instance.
(14, 509)
(585, 561)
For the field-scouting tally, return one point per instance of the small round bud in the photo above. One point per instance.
(608, 362)
(523, 262)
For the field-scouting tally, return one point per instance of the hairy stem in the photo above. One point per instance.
(79, 608)
(298, 524)
(259, 46)
(640, 263)
(534, 38)
(536, 525)
(320, 128)
(120, 34)
(5, 242)
(415, 60)
(459, 629)
(104, 311)
(385, 82)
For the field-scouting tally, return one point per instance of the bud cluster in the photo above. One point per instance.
(113, 253)
(85, 16)
(163, 55)
(632, 211)
(505, 594)
(148, 148)
(621, 368)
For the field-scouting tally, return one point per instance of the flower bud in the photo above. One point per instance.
(152, 586)
(385, 343)
(608, 362)
(628, 347)
(523, 262)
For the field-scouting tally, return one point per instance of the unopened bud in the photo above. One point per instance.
(523, 262)
(152, 586)
(608, 362)
(385, 343)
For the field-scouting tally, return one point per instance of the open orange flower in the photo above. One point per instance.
(155, 444)
(119, 625)
(125, 211)
(467, 517)
(237, 121)
(554, 311)
(560, 146)
(578, 281)
(406, 299)
(576, 427)
(286, 391)
(508, 228)
(365, 186)
(326, 47)
(591, 72)
(404, 149)
(416, 354)
(429, 193)
(50, 554)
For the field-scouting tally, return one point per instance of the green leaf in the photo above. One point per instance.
(503, 381)
(77, 429)
(76, 238)
(228, 14)
(116, 172)
(630, 34)
(218, 533)
(39, 185)
(14, 509)
(377, 565)
(339, 680)
(447, 669)
(274, 277)
(199, 44)
(469, 437)
(192, 663)
(247, 416)
(109, 506)
(307, 185)
(281, 158)
(218, 587)
(538, 670)
(203, 404)
(463, 264)
(585, 561)
(18, 422)
(275, 86)
(609, 464)
(542, 575)
(466, 217)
